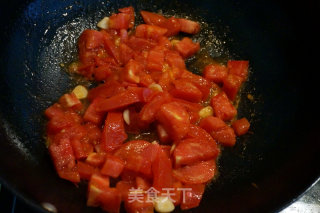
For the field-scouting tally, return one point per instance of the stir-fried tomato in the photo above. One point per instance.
(145, 129)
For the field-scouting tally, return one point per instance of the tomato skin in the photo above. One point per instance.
(219, 131)
(86, 170)
(96, 159)
(155, 60)
(198, 81)
(123, 187)
(193, 197)
(215, 72)
(162, 171)
(149, 110)
(222, 107)
(92, 115)
(126, 53)
(196, 173)
(238, 68)
(175, 120)
(58, 123)
(64, 160)
(150, 32)
(231, 86)
(70, 101)
(174, 59)
(139, 44)
(113, 134)
(113, 166)
(193, 150)
(105, 90)
(119, 21)
(153, 18)
(188, 26)
(186, 47)
(186, 90)
(54, 111)
(173, 26)
(192, 109)
(118, 101)
(241, 126)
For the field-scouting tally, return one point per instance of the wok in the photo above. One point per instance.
(265, 171)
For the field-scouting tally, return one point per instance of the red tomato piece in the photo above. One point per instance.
(119, 21)
(70, 101)
(113, 134)
(78, 149)
(64, 160)
(150, 31)
(193, 150)
(192, 109)
(105, 90)
(124, 187)
(54, 111)
(175, 120)
(118, 101)
(241, 126)
(142, 183)
(193, 197)
(197, 173)
(238, 68)
(93, 133)
(142, 205)
(90, 39)
(219, 131)
(130, 11)
(198, 132)
(96, 159)
(102, 72)
(131, 154)
(173, 25)
(231, 86)
(91, 114)
(110, 200)
(199, 81)
(97, 185)
(153, 18)
(140, 44)
(86, 170)
(126, 53)
(131, 72)
(174, 59)
(188, 26)
(113, 166)
(186, 47)
(222, 107)
(155, 60)
(215, 72)
(186, 90)
(149, 110)
(162, 171)
(58, 123)
(110, 46)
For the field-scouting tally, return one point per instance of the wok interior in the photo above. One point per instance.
(42, 36)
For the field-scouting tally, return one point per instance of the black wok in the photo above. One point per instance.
(264, 172)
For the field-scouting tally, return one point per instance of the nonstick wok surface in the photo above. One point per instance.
(264, 172)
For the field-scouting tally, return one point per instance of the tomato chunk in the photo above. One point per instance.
(241, 126)
(153, 18)
(162, 171)
(215, 72)
(175, 120)
(113, 166)
(231, 86)
(238, 68)
(220, 131)
(131, 72)
(188, 26)
(150, 31)
(193, 196)
(186, 47)
(197, 173)
(193, 150)
(113, 134)
(86, 170)
(186, 90)
(222, 107)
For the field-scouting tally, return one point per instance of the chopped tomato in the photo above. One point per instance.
(175, 60)
(155, 60)
(124, 187)
(142, 183)
(64, 160)
(192, 109)
(149, 110)
(199, 81)
(162, 134)
(241, 126)
(142, 205)
(186, 47)
(220, 131)
(131, 72)
(231, 86)
(118, 101)
(193, 150)
(153, 18)
(97, 185)
(193, 196)
(96, 159)
(188, 26)
(175, 120)
(92, 114)
(197, 173)
(70, 101)
(113, 134)
(239, 68)
(126, 53)
(215, 72)
(86, 170)
(105, 90)
(150, 31)
(173, 26)
(54, 111)
(119, 21)
(113, 166)
(162, 171)
(186, 90)
(222, 107)
(140, 44)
